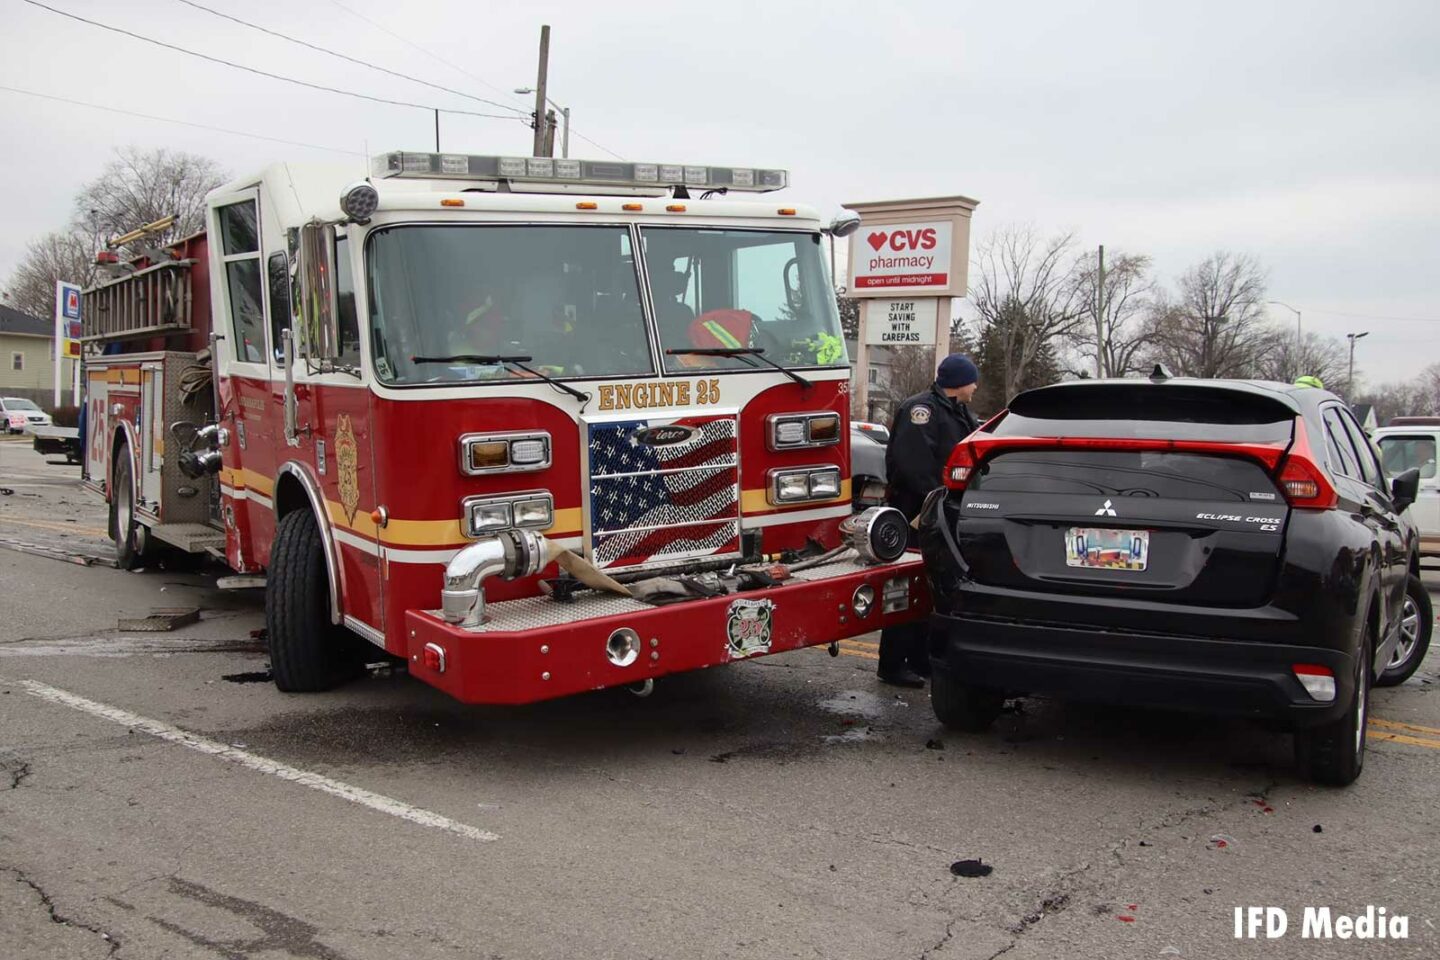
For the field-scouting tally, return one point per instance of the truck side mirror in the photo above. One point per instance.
(319, 313)
(1405, 488)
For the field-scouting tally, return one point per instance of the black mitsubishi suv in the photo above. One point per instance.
(1220, 546)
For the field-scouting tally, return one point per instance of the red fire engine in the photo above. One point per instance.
(535, 425)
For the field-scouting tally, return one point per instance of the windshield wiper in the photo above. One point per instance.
(743, 353)
(514, 360)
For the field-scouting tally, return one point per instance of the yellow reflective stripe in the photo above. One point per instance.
(726, 338)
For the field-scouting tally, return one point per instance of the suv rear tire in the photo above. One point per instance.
(963, 706)
(1334, 753)
(1416, 621)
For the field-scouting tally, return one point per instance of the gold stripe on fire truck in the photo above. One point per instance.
(433, 533)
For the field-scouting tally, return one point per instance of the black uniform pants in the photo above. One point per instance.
(906, 645)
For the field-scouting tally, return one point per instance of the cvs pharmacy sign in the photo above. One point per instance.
(902, 255)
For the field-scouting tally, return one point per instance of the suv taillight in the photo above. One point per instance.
(960, 466)
(1305, 485)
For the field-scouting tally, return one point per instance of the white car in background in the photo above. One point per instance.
(1411, 442)
(18, 415)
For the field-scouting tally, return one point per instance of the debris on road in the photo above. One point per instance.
(80, 559)
(162, 620)
(254, 676)
(1222, 841)
(971, 868)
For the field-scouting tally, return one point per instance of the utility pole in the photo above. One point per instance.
(437, 131)
(1350, 377)
(1100, 317)
(542, 122)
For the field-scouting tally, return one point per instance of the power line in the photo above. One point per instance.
(183, 123)
(435, 56)
(348, 58)
(263, 73)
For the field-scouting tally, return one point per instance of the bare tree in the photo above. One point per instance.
(140, 187)
(1416, 398)
(1123, 327)
(52, 257)
(1026, 294)
(134, 189)
(1278, 357)
(1213, 328)
(912, 370)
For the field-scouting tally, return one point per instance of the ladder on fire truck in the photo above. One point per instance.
(138, 301)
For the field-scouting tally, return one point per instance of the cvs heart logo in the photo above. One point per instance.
(877, 240)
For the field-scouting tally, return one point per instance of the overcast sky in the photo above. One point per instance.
(1303, 133)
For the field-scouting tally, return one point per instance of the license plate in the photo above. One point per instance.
(1107, 549)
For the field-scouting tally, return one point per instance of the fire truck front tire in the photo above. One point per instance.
(133, 548)
(308, 653)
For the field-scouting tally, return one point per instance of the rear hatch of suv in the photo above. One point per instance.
(1162, 492)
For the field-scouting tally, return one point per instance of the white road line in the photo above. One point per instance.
(244, 758)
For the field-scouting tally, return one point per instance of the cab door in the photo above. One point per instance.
(238, 296)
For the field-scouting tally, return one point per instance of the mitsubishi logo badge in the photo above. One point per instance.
(1106, 511)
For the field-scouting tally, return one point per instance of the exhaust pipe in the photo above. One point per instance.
(511, 553)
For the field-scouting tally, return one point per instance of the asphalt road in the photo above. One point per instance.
(157, 801)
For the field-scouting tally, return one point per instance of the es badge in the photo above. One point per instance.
(919, 414)
(749, 626)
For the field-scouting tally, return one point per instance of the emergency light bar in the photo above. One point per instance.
(459, 166)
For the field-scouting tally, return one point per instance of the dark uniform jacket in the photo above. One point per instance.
(925, 429)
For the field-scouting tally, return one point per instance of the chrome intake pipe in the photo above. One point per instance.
(511, 554)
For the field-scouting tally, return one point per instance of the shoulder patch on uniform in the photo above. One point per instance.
(920, 413)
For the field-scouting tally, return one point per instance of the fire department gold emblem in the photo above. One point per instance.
(347, 460)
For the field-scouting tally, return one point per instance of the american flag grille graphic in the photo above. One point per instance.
(661, 502)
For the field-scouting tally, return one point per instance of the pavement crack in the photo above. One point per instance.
(18, 770)
(56, 916)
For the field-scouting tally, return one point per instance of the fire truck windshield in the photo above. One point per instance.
(728, 290)
(567, 296)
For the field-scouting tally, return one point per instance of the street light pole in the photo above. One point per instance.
(1298, 341)
(1350, 377)
(565, 117)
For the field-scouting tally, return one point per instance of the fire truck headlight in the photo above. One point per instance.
(791, 486)
(538, 512)
(824, 429)
(359, 201)
(529, 453)
(488, 518)
(504, 452)
(825, 484)
(792, 431)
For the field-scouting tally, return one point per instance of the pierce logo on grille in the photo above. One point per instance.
(664, 436)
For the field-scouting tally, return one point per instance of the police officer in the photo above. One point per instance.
(925, 429)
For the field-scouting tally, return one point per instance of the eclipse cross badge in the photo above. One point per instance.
(1106, 511)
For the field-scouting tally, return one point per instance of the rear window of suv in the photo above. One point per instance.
(1149, 411)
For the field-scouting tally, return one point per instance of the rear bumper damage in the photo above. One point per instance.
(1202, 675)
(539, 648)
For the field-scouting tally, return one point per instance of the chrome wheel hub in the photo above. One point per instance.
(1409, 634)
